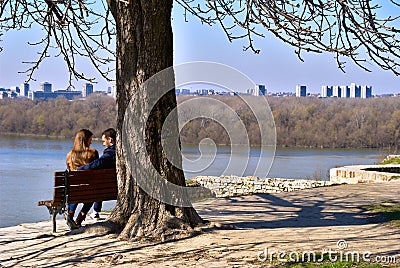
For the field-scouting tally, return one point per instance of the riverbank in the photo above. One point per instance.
(32, 161)
(316, 219)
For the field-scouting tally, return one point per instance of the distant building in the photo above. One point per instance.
(352, 91)
(114, 91)
(301, 91)
(202, 92)
(251, 91)
(185, 91)
(260, 90)
(331, 91)
(87, 89)
(336, 92)
(366, 92)
(182, 91)
(69, 95)
(8, 93)
(345, 91)
(355, 91)
(326, 91)
(24, 89)
(15, 89)
(45, 87)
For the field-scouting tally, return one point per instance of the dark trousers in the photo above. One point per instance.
(97, 206)
(86, 207)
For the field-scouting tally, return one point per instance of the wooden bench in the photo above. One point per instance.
(73, 187)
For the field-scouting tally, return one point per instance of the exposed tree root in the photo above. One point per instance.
(169, 227)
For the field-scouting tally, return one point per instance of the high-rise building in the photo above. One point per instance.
(260, 90)
(326, 91)
(366, 92)
(114, 91)
(337, 92)
(345, 91)
(355, 91)
(45, 87)
(301, 91)
(24, 89)
(87, 89)
(352, 91)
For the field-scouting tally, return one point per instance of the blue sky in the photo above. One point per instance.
(276, 66)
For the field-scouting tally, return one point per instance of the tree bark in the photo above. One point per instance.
(144, 48)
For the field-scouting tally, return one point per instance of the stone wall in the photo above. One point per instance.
(391, 156)
(226, 186)
(364, 174)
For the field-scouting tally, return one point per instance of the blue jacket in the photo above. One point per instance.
(107, 160)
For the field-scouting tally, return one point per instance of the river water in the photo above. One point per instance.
(27, 166)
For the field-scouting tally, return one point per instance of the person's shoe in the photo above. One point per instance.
(81, 217)
(95, 215)
(70, 221)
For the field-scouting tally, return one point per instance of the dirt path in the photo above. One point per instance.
(319, 220)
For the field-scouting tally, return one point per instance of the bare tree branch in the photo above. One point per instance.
(71, 30)
(348, 29)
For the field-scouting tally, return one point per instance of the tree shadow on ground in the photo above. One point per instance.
(257, 212)
(272, 211)
(71, 249)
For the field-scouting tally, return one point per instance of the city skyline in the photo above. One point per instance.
(277, 66)
(347, 91)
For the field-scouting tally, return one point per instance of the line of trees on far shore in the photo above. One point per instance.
(300, 122)
(57, 117)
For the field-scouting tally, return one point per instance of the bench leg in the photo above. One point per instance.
(53, 219)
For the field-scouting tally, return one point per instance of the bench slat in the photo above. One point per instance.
(90, 195)
(87, 173)
(83, 186)
(96, 182)
(98, 198)
(86, 186)
(89, 189)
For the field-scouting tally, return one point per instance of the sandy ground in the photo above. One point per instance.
(315, 220)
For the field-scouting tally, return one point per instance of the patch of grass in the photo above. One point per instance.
(390, 210)
(192, 183)
(107, 211)
(395, 161)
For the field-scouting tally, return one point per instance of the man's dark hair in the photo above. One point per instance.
(110, 133)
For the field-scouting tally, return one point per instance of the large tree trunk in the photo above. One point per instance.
(144, 48)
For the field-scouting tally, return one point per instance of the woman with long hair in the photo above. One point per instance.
(80, 155)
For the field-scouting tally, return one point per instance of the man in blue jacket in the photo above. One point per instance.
(107, 160)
